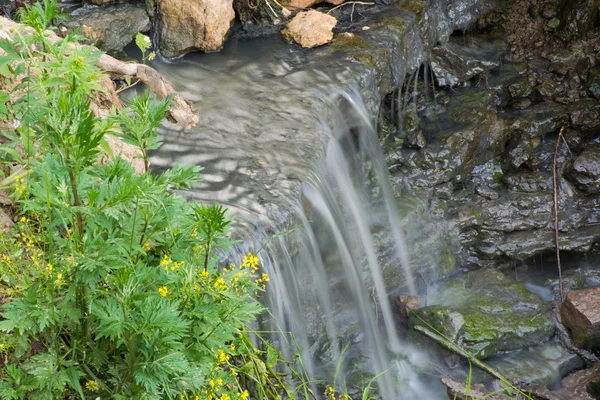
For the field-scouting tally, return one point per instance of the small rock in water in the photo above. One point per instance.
(415, 139)
(310, 29)
(487, 192)
(521, 103)
(407, 303)
(580, 313)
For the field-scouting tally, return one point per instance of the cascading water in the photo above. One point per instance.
(333, 289)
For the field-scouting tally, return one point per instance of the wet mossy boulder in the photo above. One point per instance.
(487, 313)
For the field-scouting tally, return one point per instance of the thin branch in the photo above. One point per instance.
(363, 3)
(127, 87)
(555, 200)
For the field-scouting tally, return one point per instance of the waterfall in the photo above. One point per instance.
(331, 292)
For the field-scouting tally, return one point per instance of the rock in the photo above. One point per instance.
(458, 390)
(578, 17)
(585, 115)
(521, 87)
(458, 61)
(415, 139)
(127, 151)
(6, 222)
(539, 119)
(186, 26)
(585, 172)
(544, 364)
(580, 385)
(310, 29)
(486, 313)
(487, 192)
(528, 182)
(521, 103)
(110, 28)
(406, 304)
(594, 83)
(580, 312)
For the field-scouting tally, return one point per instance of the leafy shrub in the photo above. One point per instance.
(110, 280)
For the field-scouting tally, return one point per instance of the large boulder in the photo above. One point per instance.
(580, 313)
(578, 17)
(487, 313)
(110, 28)
(186, 26)
(310, 28)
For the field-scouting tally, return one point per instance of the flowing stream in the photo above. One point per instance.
(289, 143)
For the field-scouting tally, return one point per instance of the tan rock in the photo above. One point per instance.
(580, 312)
(6, 221)
(310, 28)
(407, 303)
(188, 25)
(127, 152)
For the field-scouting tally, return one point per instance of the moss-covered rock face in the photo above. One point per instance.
(486, 313)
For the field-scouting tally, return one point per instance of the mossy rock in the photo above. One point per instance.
(487, 313)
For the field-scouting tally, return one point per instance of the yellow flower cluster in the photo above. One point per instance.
(20, 185)
(220, 284)
(250, 261)
(92, 386)
(216, 384)
(262, 281)
(222, 357)
(243, 395)
(169, 264)
(163, 290)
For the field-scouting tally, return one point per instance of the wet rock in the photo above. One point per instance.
(487, 192)
(522, 86)
(458, 390)
(544, 364)
(528, 182)
(580, 312)
(457, 61)
(407, 304)
(539, 119)
(110, 28)
(519, 152)
(585, 115)
(549, 89)
(594, 83)
(486, 313)
(585, 172)
(578, 17)
(526, 244)
(415, 139)
(186, 26)
(310, 28)
(520, 103)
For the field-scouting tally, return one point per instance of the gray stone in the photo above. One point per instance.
(585, 172)
(110, 28)
(459, 60)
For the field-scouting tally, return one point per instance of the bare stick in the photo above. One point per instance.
(555, 193)
(363, 3)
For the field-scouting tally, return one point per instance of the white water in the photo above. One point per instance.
(333, 289)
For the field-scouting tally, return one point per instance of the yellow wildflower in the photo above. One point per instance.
(92, 386)
(163, 290)
(204, 274)
(243, 395)
(222, 357)
(250, 261)
(225, 396)
(220, 284)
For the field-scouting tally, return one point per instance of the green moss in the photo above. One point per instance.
(395, 24)
(350, 41)
(415, 6)
(364, 58)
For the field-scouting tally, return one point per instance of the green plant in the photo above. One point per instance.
(113, 289)
(140, 121)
